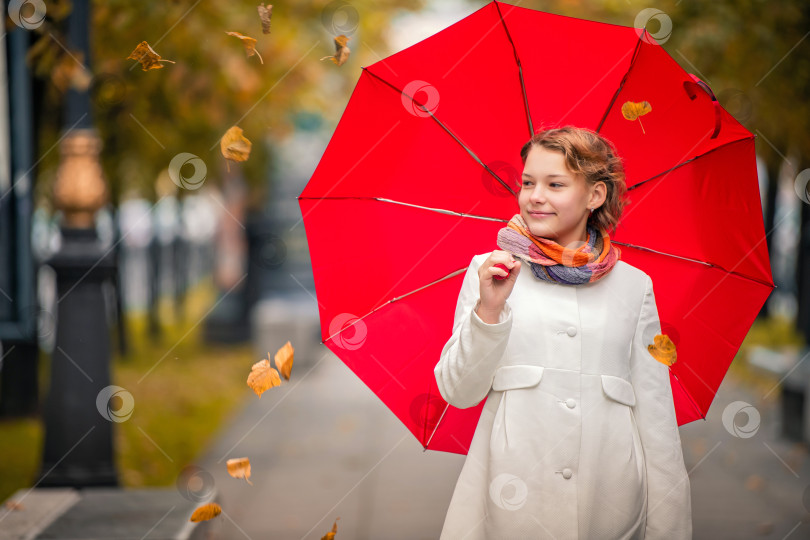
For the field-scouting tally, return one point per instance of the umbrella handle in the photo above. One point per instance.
(502, 267)
(691, 86)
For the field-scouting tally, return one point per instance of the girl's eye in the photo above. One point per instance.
(526, 182)
(556, 184)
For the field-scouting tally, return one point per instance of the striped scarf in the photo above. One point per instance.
(552, 262)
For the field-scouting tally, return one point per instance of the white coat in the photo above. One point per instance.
(578, 438)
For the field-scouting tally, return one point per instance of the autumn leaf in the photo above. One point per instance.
(206, 512)
(663, 350)
(331, 534)
(234, 145)
(147, 56)
(249, 43)
(284, 360)
(632, 110)
(341, 50)
(239, 468)
(263, 377)
(14, 506)
(264, 15)
(70, 71)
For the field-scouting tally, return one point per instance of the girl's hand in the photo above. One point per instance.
(495, 292)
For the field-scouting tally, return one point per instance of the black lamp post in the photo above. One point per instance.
(81, 405)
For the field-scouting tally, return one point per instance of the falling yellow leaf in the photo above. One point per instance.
(249, 43)
(263, 377)
(341, 50)
(663, 350)
(234, 145)
(147, 56)
(632, 110)
(264, 15)
(239, 468)
(206, 512)
(70, 71)
(284, 360)
(14, 506)
(331, 534)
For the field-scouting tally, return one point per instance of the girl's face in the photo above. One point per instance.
(554, 201)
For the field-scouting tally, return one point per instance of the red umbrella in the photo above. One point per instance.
(422, 172)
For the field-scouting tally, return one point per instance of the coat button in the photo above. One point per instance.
(571, 403)
(567, 473)
(571, 331)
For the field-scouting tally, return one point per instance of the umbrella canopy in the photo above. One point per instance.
(424, 167)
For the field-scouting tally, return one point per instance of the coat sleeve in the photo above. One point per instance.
(470, 357)
(669, 510)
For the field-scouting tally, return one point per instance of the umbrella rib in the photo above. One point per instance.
(634, 186)
(452, 274)
(436, 428)
(711, 265)
(439, 210)
(445, 128)
(520, 72)
(624, 79)
(685, 391)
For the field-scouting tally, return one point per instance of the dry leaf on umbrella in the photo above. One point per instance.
(341, 50)
(249, 43)
(663, 350)
(284, 360)
(263, 377)
(264, 15)
(206, 512)
(632, 110)
(331, 534)
(147, 56)
(239, 468)
(234, 145)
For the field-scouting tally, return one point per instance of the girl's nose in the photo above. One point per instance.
(538, 196)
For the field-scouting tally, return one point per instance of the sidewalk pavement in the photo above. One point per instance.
(323, 446)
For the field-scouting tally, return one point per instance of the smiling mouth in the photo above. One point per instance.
(541, 214)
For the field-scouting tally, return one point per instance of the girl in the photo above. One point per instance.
(578, 437)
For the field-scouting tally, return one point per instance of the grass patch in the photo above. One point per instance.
(185, 391)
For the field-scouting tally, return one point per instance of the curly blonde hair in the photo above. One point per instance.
(591, 154)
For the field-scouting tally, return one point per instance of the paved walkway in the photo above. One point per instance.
(323, 446)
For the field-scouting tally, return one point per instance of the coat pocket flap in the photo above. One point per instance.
(511, 377)
(619, 390)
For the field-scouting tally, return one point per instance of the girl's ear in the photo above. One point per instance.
(598, 194)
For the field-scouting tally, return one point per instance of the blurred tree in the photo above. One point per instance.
(145, 118)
